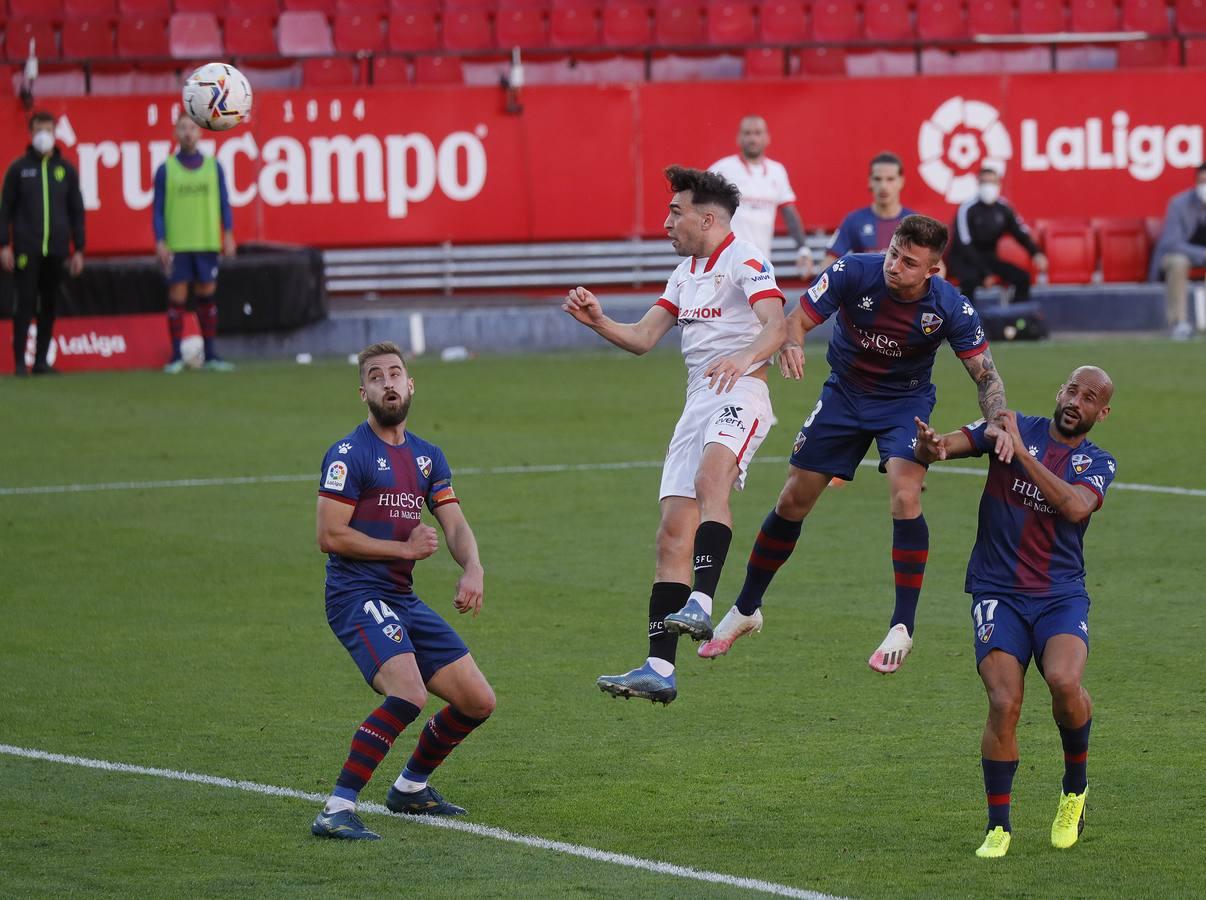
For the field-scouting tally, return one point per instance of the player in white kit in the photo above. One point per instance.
(765, 192)
(724, 298)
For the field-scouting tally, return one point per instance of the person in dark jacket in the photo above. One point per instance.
(42, 232)
(1181, 248)
(979, 224)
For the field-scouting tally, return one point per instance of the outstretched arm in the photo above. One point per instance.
(991, 390)
(932, 446)
(463, 547)
(637, 337)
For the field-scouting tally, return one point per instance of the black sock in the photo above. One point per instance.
(667, 597)
(712, 541)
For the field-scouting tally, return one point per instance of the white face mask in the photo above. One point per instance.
(989, 192)
(1201, 191)
(43, 141)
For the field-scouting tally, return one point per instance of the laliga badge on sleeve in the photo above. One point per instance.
(337, 476)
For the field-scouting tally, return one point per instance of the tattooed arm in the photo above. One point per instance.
(991, 391)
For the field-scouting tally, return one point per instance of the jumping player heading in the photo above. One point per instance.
(724, 298)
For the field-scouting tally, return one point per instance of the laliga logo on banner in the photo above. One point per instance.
(956, 141)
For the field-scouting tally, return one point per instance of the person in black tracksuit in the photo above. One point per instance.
(42, 214)
(979, 224)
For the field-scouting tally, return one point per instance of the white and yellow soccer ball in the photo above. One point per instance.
(217, 96)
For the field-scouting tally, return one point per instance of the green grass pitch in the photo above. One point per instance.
(183, 628)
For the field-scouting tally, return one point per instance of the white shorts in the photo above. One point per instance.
(739, 419)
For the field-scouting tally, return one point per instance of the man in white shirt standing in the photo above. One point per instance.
(724, 298)
(765, 191)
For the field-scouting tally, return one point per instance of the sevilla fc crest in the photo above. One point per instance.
(424, 463)
(1080, 462)
(984, 632)
(393, 632)
(930, 323)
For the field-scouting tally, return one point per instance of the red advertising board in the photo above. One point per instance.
(102, 342)
(424, 165)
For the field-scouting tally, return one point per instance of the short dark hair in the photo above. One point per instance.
(922, 231)
(40, 116)
(988, 170)
(888, 158)
(705, 187)
(381, 348)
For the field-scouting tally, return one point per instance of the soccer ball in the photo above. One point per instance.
(217, 96)
(192, 351)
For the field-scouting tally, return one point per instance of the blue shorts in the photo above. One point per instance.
(195, 268)
(375, 627)
(839, 430)
(1021, 625)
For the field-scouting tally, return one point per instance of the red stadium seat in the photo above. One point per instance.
(678, 24)
(573, 26)
(531, 5)
(155, 8)
(940, 20)
(835, 20)
(142, 37)
(887, 20)
(1094, 15)
(194, 35)
(326, 7)
(765, 62)
(390, 70)
(405, 6)
(358, 34)
(1124, 249)
(783, 22)
(1148, 54)
(330, 71)
(438, 70)
(1071, 250)
(1010, 251)
(360, 7)
(241, 8)
(1146, 15)
(1041, 16)
(730, 23)
(88, 38)
(468, 30)
(626, 24)
(251, 36)
(36, 9)
(304, 34)
(1195, 52)
(216, 8)
(1191, 16)
(469, 6)
(595, 5)
(74, 9)
(524, 28)
(992, 17)
(823, 61)
(21, 31)
(410, 31)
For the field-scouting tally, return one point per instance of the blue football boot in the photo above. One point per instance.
(427, 802)
(692, 621)
(641, 682)
(344, 824)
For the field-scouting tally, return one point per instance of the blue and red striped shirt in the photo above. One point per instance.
(387, 486)
(882, 345)
(1023, 545)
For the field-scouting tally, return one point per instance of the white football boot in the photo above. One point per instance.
(731, 627)
(890, 655)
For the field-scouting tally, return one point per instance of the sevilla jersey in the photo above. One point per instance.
(882, 345)
(713, 300)
(387, 487)
(764, 188)
(1023, 544)
(862, 231)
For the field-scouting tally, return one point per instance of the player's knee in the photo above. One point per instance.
(906, 502)
(481, 704)
(1063, 683)
(1004, 706)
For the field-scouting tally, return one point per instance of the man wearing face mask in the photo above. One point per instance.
(42, 214)
(1182, 246)
(979, 225)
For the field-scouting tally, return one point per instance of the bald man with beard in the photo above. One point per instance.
(1026, 577)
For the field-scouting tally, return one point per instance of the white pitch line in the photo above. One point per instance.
(550, 468)
(498, 834)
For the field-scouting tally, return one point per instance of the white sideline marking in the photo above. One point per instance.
(550, 468)
(498, 834)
